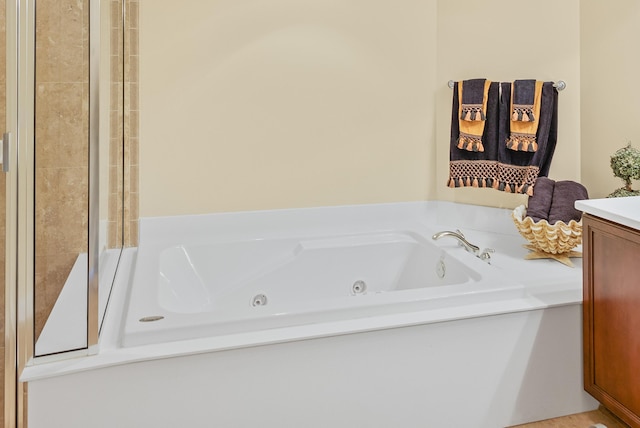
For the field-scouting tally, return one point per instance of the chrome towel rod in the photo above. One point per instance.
(559, 85)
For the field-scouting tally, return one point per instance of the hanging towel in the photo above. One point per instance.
(479, 168)
(472, 113)
(525, 109)
(518, 170)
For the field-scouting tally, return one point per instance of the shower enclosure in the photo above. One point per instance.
(64, 189)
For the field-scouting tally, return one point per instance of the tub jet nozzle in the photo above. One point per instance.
(359, 287)
(259, 300)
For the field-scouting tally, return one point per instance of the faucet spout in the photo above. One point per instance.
(473, 249)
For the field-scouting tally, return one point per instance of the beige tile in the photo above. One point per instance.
(116, 96)
(127, 206)
(114, 207)
(131, 67)
(133, 41)
(134, 182)
(134, 204)
(61, 34)
(61, 118)
(133, 96)
(120, 232)
(133, 234)
(134, 11)
(117, 126)
(134, 123)
(116, 38)
(116, 13)
(115, 151)
(134, 152)
(2, 296)
(115, 235)
(115, 181)
(61, 210)
(115, 175)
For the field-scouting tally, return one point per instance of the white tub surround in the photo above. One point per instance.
(404, 347)
(66, 326)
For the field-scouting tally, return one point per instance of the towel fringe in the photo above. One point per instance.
(523, 114)
(491, 183)
(472, 113)
(523, 189)
(478, 182)
(522, 143)
(470, 143)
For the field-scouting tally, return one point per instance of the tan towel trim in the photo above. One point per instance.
(523, 134)
(471, 130)
(517, 179)
(473, 173)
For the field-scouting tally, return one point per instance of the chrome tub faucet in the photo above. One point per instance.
(462, 241)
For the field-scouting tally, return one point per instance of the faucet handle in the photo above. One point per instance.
(486, 254)
(459, 232)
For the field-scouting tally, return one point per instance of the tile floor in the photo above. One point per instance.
(580, 420)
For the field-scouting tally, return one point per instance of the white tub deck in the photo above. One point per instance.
(546, 283)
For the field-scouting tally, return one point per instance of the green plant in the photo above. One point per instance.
(625, 164)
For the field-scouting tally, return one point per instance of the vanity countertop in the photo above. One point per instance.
(625, 211)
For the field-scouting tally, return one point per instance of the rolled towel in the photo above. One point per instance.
(540, 203)
(565, 194)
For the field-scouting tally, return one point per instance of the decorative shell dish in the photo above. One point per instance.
(555, 238)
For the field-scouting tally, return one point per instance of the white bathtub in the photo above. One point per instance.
(353, 326)
(317, 271)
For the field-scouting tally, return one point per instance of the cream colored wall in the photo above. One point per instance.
(286, 103)
(610, 60)
(504, 40)
(292, 104)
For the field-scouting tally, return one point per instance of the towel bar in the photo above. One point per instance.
(559, 85)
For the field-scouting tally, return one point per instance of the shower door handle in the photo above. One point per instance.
(5, 151)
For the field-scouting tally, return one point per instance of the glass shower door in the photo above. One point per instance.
(3, 121)
(8, 215)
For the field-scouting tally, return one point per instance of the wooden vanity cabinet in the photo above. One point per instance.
(611, 316)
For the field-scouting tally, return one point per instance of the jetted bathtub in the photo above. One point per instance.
(317, 271)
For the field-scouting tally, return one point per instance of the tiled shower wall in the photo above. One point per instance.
(116, 66)
(123, 226)
(61, 146)
(62, 140)
(131, 121)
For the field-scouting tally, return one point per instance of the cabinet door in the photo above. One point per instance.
(612, 317)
